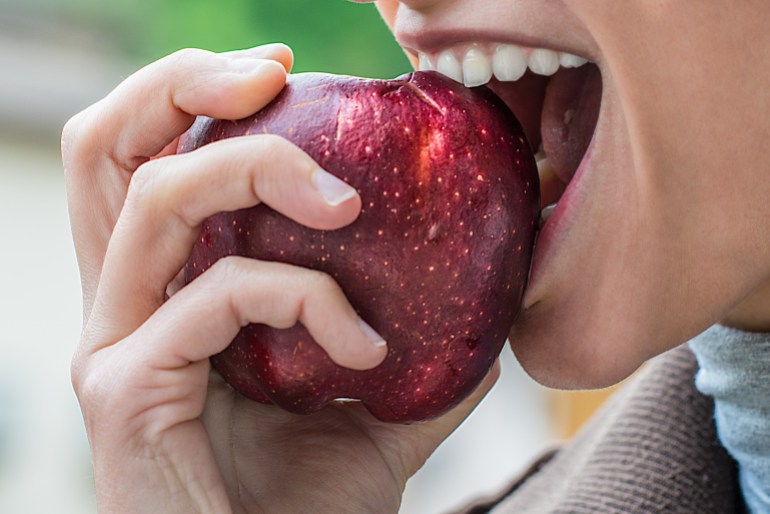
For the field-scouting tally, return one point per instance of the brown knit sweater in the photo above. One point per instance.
(653, 448)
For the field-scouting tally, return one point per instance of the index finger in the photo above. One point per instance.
(106, 143)
(159, 102)
(189, 83)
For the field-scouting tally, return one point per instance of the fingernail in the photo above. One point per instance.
(377, 340)
(333, 190)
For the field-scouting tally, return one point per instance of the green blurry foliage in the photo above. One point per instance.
(336, 36)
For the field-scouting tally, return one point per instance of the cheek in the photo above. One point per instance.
(686, 74)
(388, 9)
(695, 103)
(691, 217)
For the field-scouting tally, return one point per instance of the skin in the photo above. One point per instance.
(669, 232)
(667, 236)
(167, 435)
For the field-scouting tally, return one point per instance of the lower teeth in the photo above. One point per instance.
(551, 186)
(546, 213)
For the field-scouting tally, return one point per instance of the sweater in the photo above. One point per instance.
(652, 448)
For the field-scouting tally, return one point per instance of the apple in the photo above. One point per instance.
(436, 262)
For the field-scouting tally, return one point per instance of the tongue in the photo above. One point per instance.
(570, 111)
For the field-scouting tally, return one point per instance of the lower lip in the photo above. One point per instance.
(548, 239)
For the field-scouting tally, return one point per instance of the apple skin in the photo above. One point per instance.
(436, 263)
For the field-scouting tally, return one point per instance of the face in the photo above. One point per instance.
(661, 145)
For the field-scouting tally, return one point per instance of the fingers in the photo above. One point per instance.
(275, 51)
(184, 84)
(159, 102)
(204, 317)
(140, 119)
(169, 198)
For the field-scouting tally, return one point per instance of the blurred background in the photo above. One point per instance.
(58, 57)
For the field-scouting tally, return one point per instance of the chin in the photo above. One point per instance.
(633, 255)
(574, 353)
(559, 98)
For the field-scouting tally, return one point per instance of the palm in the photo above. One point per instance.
(338, 456)
(156, 448)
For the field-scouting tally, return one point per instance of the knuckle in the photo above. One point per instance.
(187, 57)
(91, 385)
(184, 66)
(278, 147)
(77, 373)
(227, 275)
(79, 142)
(141, 187)
(105, 382)
(269, 147)
(69, 135)
(226, 270)
(276, 156)
(321, 282)
(140, 201)
(89, 388)
(272, 142)
(157, 189)
(103, 398)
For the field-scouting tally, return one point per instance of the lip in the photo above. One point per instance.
(551, 236)
(555, 294)
(556, 337)
(578, 231)
(434, 41)
(553, 230)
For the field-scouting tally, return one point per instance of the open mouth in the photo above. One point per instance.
(555, 95)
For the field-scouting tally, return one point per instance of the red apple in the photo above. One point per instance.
(436, 263)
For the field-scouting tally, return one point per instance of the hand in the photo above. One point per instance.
(166, 434)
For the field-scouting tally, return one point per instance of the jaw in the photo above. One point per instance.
(562, 337)
(603, 267)
(572, 331)
(642, 256)
(639, 255)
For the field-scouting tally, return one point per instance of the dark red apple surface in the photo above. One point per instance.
(436, 262)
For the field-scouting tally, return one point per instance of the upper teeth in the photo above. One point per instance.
(474, 64)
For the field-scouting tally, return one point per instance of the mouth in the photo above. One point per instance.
(555, 95)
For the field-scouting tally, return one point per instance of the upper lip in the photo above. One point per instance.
(527, 23)
(433, 41)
